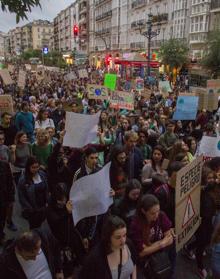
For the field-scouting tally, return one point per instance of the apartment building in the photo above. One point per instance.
(15, 36)
(215, 14)
(64, 40)
(4, 45)
(41, 32)
(83, 22)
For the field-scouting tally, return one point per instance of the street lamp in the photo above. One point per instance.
(149, 34)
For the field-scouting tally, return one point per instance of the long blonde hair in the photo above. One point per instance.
(40, 133)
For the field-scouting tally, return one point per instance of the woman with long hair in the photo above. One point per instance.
(33, 193)
(154, 166)
(42, 147)
(114, 256)
(180, 147)
(43, 121)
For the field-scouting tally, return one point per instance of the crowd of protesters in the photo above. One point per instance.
(146, 149)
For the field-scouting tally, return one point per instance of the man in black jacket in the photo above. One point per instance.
(34, 254)
(7, 193)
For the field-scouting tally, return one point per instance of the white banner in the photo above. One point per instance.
(81, 129)
(209, 146)
(90, 195)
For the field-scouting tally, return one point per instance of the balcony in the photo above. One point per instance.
(215, 5)
(137, 24)
(82, 20)
(137, 45)
(103, 16)
(102, 31)
(83, 9)
(100, 2)
(160, 18)
(138, 4)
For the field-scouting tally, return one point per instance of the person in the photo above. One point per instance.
(215, 257)
(151, 230)
(169, 137)
(33, 193)
(192, 145)
(58, 114)
(180, 147)
(33, 254)
(145, 148)
(8, 128)
(60, 221)
(42, 148)
(120, 132)
(24, 121)
(52, 138)
(114, 257)
(43, 121)
(154, 167)
(127, 205)
(7, 192)
(4, 150)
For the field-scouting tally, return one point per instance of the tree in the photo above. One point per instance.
(174, 53)
(19, 7)
(211, 58)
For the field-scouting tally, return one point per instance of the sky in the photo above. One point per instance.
(49, 10)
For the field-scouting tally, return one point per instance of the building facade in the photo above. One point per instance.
(215, 14)
(41, 32)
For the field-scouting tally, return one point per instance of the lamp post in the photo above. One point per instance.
(149, 34)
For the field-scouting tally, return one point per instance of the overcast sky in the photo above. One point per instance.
(50, 8)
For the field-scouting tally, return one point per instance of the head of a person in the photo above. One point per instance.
(125, 123)
(59, 195)
(118, 155)
(6, 119)
(148, 208)
(208, 175)
(74, 107)
(42, 137)
(158, 154)
(131, 139)
(178, 146)
(33, 100)
(182, 157)
(170, 126)
(59, 104)
(28, 245)
(2, 137)
(114, 234)
(51, 131)
(21, 138)
(103, 116)
(32, 167)
(172, 170)
(133, 190)
(143, 136)
(42, 114)
(51, 103)
(25, 106)
(179, 125)
(192, 144)
(91, 157)
(141, 121)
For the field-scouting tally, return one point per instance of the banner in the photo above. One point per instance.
(187, 200)
(139, 84)
(81, 129)
(21, 79)
(186, 108)
(6, 76)
(6, 104)
(122, 100)
(90, 195)
(209, 146)
(110, 81)
(97, 92)
(213, 86)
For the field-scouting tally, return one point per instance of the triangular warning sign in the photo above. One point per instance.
(189, 212)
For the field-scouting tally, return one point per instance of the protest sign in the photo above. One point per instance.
(209, 146)
(81, 129)
(90, 195)
(97, 92)
(186, 108)
(213, 85)
(6, 76)
(139, 84)
(83, 73)
(21, 79)
(164, 87)
(207, 100)
(122, 100)
(187, 200)
(6, 103)
(70, 76)
(110, 81)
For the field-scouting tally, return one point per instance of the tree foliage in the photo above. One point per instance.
(174, 53)
(19, 7)
(211, 59)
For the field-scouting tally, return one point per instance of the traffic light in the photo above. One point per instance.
(75, 30)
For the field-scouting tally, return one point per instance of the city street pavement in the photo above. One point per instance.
(186, 269)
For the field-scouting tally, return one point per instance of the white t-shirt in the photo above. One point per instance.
(35, 269)
(44, 124)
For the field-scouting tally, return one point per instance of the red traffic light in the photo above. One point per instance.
(75, 30)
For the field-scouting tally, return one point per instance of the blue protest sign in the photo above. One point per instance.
(186, 108)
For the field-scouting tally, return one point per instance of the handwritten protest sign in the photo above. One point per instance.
(70, 76)
(207, 100)
(6, 103)
(210, 146)
(186, 108)
(139, 82)
(213, 85)
(21, 79)
(6, 76)
(187, 199)
(97, 92)
(90, 195)
(122, 100)
(110, 81)
(83, 73)
(164, 87)
(81, 129)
